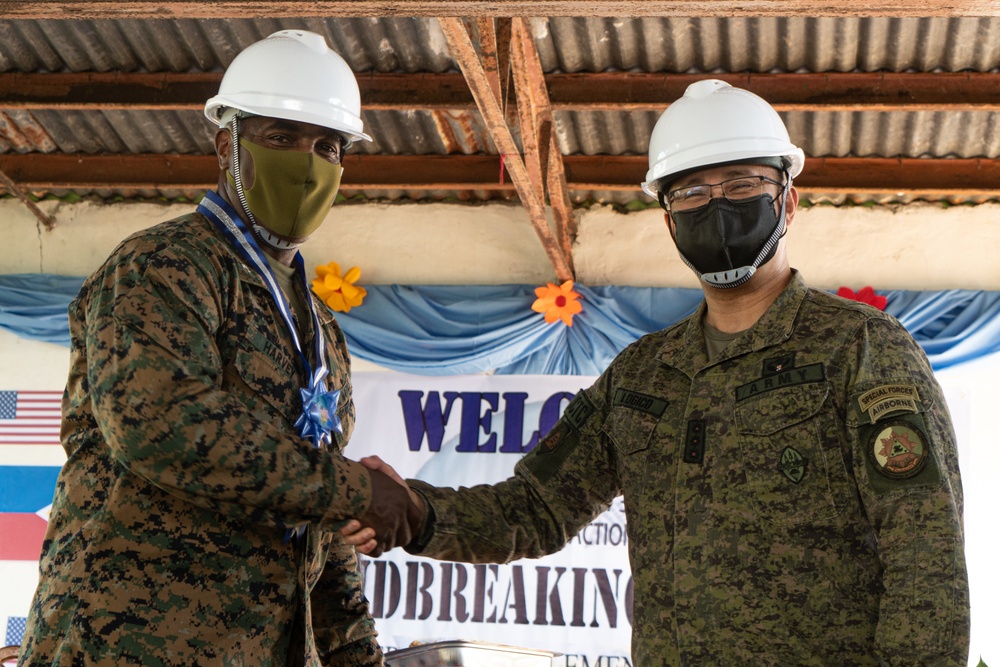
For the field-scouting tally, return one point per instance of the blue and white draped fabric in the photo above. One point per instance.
(454, 329)
(319, 416)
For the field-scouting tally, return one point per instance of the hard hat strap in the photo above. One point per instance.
(779, 229)
(234, 125)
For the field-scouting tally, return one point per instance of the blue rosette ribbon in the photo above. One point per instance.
(319, 418)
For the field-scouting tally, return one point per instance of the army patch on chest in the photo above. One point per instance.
(898, 450)
(785, 378)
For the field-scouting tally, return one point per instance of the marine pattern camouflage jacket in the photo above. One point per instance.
(166, 538)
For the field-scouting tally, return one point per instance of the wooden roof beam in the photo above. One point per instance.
(534, 115)
(472, 67)
(821, 91)
(603, 91)
(146, 9)
(494, 50)
(541, 149)
(13, 188)
(39, 172)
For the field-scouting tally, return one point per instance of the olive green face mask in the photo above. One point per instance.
(292, 191)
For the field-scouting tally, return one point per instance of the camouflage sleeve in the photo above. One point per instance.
(906, 462)
(155, 376)
(343, 628)
(567, 480)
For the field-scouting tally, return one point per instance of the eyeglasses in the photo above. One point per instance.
(734, 189)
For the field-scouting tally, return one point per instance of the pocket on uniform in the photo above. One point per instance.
(790, 447)
(631, 431)
(255, 363)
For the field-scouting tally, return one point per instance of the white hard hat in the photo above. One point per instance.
(293, 75)
(715, 123)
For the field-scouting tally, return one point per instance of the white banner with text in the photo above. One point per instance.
(466, 430)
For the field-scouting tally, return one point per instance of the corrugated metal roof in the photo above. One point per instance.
(188, 132)
(768, 44)
(567, 44)
(819, 134)
(187, 45)
(408, 45)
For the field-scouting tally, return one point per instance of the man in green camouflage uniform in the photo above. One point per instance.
(208, 402)
(786, 456)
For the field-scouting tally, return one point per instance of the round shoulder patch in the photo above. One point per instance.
(898, 449)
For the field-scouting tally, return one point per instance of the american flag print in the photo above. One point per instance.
(30, 458)
(30, 417)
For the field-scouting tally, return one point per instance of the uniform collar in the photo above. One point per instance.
(686, 351)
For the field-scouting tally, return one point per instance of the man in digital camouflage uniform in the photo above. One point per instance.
(208, 402)
(786, 457)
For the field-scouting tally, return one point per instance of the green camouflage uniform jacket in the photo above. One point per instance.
(166, 539)
(795, 502)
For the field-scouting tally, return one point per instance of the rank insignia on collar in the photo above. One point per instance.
(898, 450)
(778, 364)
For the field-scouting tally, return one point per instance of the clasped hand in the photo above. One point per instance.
(393, 519)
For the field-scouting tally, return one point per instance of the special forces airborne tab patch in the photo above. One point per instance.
(889, 399)
(898, 450)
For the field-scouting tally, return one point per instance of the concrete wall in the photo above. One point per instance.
(913, 247)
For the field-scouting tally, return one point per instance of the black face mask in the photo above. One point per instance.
(726, 242)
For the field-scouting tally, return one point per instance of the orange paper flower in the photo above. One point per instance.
(338, 292)
(557, 302)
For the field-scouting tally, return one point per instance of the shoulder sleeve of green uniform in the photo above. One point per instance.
(579, 429)
(905, 461)
(898, 415)
(562, 484)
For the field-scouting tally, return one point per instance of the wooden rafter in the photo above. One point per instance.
(145, 9)
(494, 50)
(600, 91)
(542, 154)
(534, 114)
(905, 176)
(479, 83)
(12, 187)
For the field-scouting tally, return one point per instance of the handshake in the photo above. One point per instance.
(395, 517)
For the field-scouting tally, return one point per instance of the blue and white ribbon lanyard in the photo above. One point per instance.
(319, 416)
